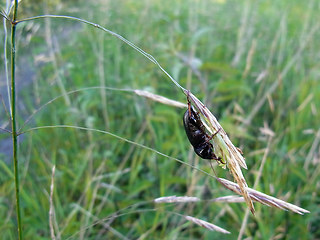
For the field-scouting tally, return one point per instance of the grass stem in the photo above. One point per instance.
(13, 118)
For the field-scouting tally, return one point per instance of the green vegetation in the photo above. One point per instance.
(258, 73)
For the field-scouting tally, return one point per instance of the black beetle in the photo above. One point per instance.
(197, 135)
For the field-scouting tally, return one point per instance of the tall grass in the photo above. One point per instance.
(258, 73)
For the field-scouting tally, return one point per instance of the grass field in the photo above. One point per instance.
(256, 66)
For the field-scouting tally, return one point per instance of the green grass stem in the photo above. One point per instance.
(14, 119)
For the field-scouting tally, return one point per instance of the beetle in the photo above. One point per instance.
(197, 135)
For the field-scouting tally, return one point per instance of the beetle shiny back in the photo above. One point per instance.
(197, 135)
(193, 127)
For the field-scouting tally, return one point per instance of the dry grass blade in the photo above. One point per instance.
(263, 198)
(224, 148)
(175, 199)
(206, 225)
(160, 99)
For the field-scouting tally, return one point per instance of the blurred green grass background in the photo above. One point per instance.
(257, 69)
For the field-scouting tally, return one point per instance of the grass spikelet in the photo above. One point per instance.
(159, 98)
(263, 198)
(228, 199)
(175, 199)
(206, 225)
(224, 148)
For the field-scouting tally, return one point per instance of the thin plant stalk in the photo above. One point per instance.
(14, 118)
(147, 55)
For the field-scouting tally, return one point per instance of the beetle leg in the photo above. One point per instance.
(189, 103)
(189, 108)
(214, 134)
(218, 159)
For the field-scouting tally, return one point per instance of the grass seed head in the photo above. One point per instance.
(224, 148)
